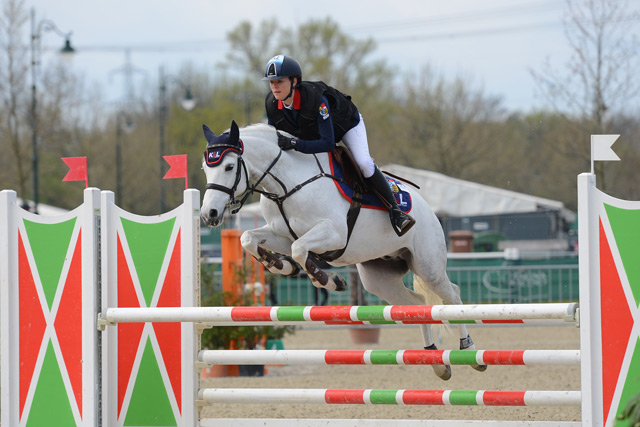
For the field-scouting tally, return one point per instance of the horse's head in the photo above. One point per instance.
(223, 167)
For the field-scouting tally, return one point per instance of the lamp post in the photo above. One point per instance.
(188, 103)
(36, 35)
(127, 126)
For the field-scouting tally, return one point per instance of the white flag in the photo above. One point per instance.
(601, 147)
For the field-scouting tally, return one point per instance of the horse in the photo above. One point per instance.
(305, 218)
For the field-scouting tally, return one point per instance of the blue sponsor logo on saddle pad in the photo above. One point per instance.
(370, 200)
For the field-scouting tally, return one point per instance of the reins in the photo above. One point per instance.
(279, 200)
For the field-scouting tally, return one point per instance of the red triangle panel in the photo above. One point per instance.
(169, 334)
(129, 334)
(68, 319)
(616, 321)
(32, 323)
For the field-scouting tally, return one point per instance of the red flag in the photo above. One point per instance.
(178, 168)
(77, 169)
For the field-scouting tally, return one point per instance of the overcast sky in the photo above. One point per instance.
(493, 43)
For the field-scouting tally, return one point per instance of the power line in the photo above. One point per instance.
(519, 9)
(462, 34)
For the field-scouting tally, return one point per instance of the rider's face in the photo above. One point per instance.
(280, 88)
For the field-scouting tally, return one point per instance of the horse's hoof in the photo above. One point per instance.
(341, 284)
(467, 343)
(479, 368)
(443, 371)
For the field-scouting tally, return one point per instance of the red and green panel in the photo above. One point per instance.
(620, 315)
(149, 355)
(50, 319)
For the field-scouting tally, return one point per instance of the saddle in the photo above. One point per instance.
(352, 177)
(352, 173)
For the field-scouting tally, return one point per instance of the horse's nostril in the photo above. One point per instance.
(213, 213)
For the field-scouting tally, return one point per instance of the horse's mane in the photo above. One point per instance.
(259, 130)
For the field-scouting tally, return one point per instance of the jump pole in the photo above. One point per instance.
(390, 313)
(390, 357)
(391, 397)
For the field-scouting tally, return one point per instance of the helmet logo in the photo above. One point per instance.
(271, 71)
(281, 66)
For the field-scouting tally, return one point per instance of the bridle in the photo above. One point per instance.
(235, 205)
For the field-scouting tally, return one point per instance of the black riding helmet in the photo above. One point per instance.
(281, 66)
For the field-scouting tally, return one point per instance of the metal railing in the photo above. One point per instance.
(506, 284)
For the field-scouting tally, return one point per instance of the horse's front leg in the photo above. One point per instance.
(323, 237)
(265, 246)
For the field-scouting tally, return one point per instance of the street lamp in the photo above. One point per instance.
(127, 126)
(188, 103)
(36, 35)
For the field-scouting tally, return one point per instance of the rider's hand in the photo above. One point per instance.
(286, 143)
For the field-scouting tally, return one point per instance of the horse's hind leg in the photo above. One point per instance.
(450, 294)
(383, 278)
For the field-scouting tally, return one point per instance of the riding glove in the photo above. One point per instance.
(286, 143)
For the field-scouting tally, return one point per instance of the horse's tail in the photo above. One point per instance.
(430, 298)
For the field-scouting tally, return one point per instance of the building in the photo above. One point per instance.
(508, 218)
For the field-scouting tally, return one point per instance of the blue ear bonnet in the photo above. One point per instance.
(219, 146)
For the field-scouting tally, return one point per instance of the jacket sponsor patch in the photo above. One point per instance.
(324, 111)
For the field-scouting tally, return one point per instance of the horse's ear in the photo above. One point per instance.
(208, 134)
(234, 133)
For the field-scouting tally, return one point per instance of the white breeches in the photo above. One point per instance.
(356, 141)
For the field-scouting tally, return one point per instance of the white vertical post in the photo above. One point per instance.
(108, 262)
(90, 371)
(190, 297)
(9, 352)
(590, 332)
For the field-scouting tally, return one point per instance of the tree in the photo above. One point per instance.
(600, 78)
(324, 51)
(448, 126)
(330, 55)
(13, 114)
(249, 46)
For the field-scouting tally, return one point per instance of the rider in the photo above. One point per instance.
(319, 116)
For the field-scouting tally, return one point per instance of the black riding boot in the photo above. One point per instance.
(400, 221)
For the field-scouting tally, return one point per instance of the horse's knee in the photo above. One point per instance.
(247, 240)
(299, 253)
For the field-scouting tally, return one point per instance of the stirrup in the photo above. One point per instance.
(401, 222)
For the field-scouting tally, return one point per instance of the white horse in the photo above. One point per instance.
(306, 217)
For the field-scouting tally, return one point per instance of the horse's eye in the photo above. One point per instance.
(228, 168)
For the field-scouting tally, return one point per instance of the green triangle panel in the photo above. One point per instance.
(631, 383)
(148, 245)
(149, 405)
(51, 406)
(49, 244)
(625, 224)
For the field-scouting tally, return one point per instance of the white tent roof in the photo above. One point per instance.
(456, 197)
(44, 210)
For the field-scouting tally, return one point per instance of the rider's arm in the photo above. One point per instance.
(326, 142)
